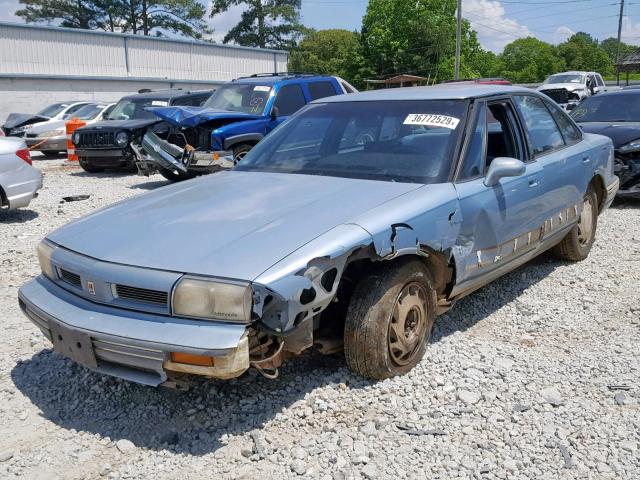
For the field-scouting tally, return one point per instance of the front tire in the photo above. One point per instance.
(389, 320)
(88, 167)
(578, 242)
(240, 151)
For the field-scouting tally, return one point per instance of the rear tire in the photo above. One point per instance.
(88, 167)
(389, 320)
(175, 176)
(578, 242)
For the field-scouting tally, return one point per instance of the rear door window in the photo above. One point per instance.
(542, 132)
(290, 99)
(321, 89)
(570, 132)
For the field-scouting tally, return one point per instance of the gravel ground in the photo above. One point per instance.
(536, 376)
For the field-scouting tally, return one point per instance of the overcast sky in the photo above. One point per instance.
(497, 22)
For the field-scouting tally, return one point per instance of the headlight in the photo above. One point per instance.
(22, 129)
(633, 146)
(45, 250)
(52, 133)
(194, 297)
(122, 139)
(75, 138)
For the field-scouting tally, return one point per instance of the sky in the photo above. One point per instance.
(498, 22)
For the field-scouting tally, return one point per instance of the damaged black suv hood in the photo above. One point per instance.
(133, 124)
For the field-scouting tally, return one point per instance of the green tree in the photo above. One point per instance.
(530, 60)
(144, 17)
(582, 52)
(264, 23)
(332, 52)
(611, 45)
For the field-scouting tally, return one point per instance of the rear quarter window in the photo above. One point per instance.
(321, 90)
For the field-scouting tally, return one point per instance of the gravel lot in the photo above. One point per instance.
(536, 376)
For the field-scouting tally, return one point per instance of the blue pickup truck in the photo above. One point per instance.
(219, 134)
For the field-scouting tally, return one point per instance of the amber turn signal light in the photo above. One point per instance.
(201, 360)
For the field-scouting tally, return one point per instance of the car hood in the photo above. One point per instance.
(15, 120)
(568, 86)
(230, 224)
(133, 124)
(46, 126)
(194, 116)
(620, 133)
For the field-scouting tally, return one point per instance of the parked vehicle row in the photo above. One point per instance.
(353, 224)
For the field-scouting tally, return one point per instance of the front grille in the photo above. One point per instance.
(145, 295)
(558, 95)
(96, 139)
(71, 278)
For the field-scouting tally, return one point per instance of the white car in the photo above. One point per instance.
(51, 137)
(17, 124)
(19, 181)
(567, 89)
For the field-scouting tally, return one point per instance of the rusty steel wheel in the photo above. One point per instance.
(408, 324)
(389, 319)
(576, 245)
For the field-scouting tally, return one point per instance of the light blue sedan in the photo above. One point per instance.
(351, 227)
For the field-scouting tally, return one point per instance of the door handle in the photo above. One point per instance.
(534, 183)
(586, 159)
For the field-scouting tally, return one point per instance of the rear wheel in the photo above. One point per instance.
(389, 320)
(578, 242)
(175, 176)
(240, 151)
(88, 167)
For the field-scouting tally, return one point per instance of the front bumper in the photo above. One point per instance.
(154, 153)
(58, 144)
(132, 345)
(115, 157)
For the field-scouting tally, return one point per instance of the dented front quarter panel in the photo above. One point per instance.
(421, 220)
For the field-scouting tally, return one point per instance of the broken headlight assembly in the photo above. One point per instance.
(212, 300)
(122, 139)
(45, 250)
(633, 146)
(75, 138)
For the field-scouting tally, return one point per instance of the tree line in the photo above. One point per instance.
(396, 36)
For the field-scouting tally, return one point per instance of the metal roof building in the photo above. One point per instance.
(40, 65)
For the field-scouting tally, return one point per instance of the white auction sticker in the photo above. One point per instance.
(432, 120)
(159, 103)
(261, 88)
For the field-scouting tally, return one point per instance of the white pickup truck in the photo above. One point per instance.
(567, 89)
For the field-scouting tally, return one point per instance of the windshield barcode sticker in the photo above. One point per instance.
(159, 103)
(261, 88)
(431, 120)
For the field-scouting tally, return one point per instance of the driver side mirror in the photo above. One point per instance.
(502, 167)
(275, 112)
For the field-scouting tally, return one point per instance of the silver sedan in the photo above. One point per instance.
(19, 181)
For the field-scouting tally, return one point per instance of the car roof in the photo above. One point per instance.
(272, 79)
(445, 91)
(624, 91)
(167, 94)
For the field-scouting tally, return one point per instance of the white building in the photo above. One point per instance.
(42, 65)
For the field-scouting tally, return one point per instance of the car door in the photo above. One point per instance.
(289, 99)
(502, 222)
(555, 143)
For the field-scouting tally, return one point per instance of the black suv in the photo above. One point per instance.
(106, 144)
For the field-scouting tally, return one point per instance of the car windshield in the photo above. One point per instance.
(134, 108)
(608, 108)
(88, 112)
(53, 110)
(240, 97)
(398, 141)
(565, 78)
